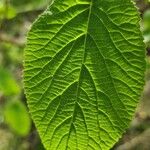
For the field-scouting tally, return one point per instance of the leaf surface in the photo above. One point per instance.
(84, 72)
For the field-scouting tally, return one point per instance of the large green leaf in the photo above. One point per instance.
(84, 72)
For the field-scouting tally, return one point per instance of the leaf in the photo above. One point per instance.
(29, 5)
(146, 27)
(84, 72)
(17, 117)
(8, 85)
(5, 12)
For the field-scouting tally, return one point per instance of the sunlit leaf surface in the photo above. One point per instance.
(84, 72)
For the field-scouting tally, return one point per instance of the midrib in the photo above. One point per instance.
(80, 73)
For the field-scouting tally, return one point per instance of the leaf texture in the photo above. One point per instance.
(84, 72)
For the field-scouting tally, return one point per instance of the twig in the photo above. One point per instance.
(141, 139)
(15, 41)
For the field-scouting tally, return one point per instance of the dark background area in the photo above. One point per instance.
(17, 131)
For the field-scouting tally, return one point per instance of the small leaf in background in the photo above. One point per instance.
(7, 12)
(8, 85)
(146, 27)
(17, 117)
(146, 19)
(15, 53)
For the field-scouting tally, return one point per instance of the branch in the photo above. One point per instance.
(15, 41)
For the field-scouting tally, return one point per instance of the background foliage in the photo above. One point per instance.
(17, 132)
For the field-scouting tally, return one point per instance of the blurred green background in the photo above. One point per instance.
(17, 131)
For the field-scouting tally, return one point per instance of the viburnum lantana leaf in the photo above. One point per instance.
(84, 72)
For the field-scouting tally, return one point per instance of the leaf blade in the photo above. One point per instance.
(74, 90)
